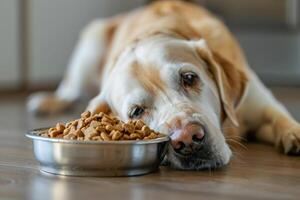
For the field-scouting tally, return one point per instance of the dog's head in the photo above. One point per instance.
(180, 88)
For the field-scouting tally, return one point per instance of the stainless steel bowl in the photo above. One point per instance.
(98, 158)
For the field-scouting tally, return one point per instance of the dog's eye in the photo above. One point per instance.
(189, 79)
(136, 112)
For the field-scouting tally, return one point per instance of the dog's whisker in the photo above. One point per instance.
(236, 142)
(236, 137)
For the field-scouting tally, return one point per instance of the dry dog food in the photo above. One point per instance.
(101, 127)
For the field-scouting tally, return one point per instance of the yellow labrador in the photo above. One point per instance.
(177, 67)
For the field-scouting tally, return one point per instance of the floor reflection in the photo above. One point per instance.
(52, 187)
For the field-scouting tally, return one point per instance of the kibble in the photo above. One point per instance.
(101, 127)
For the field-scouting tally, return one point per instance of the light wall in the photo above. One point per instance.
(9, 44)
(55, 27)
(37, 37)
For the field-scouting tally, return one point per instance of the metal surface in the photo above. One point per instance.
(98, 158)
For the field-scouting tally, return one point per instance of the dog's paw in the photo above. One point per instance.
(44, 103)
(289, 140)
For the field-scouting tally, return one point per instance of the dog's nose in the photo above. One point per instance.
(190, 133)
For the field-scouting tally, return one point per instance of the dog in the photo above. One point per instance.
(177, 67)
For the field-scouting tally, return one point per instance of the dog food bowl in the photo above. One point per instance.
(97, 158)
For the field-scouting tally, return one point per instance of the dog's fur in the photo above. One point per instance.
(136, 59)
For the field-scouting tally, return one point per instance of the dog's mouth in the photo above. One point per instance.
(197, 153)
(201, 160)
(209, 153)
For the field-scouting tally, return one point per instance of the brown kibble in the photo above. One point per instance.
(60, 127)
(88, 120)
(54, 133)
(97, 138)
(110, 133)
(128, 128)
(86, 114)
(131, 123)
(140, 133)
(73, 137)
(139, 124)
(101, 127)
(90, 132)
(79, 133)
(125, 137)
(66, 131)
(100, 115)
(115, 120)
(83, 129)
(109, 128)
(74, 123)
(95, 124)
(134, 136)
(70, 137)
(80, 124)
(107, 120)
(146, 130)
(116, 135)
(52, 129)
(119, 127)
(60, 136)
(72, 130)
(153, 135)
(104, 136)
(105, 123)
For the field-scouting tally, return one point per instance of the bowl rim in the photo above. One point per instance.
(32, 134)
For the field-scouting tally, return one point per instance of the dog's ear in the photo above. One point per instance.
(231, 82)
(99, 104)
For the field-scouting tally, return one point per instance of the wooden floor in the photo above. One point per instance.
(256, 171)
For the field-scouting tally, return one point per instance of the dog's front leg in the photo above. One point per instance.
(269, 119)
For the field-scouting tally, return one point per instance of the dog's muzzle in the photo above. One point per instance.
(189, 139)
(193, 147)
